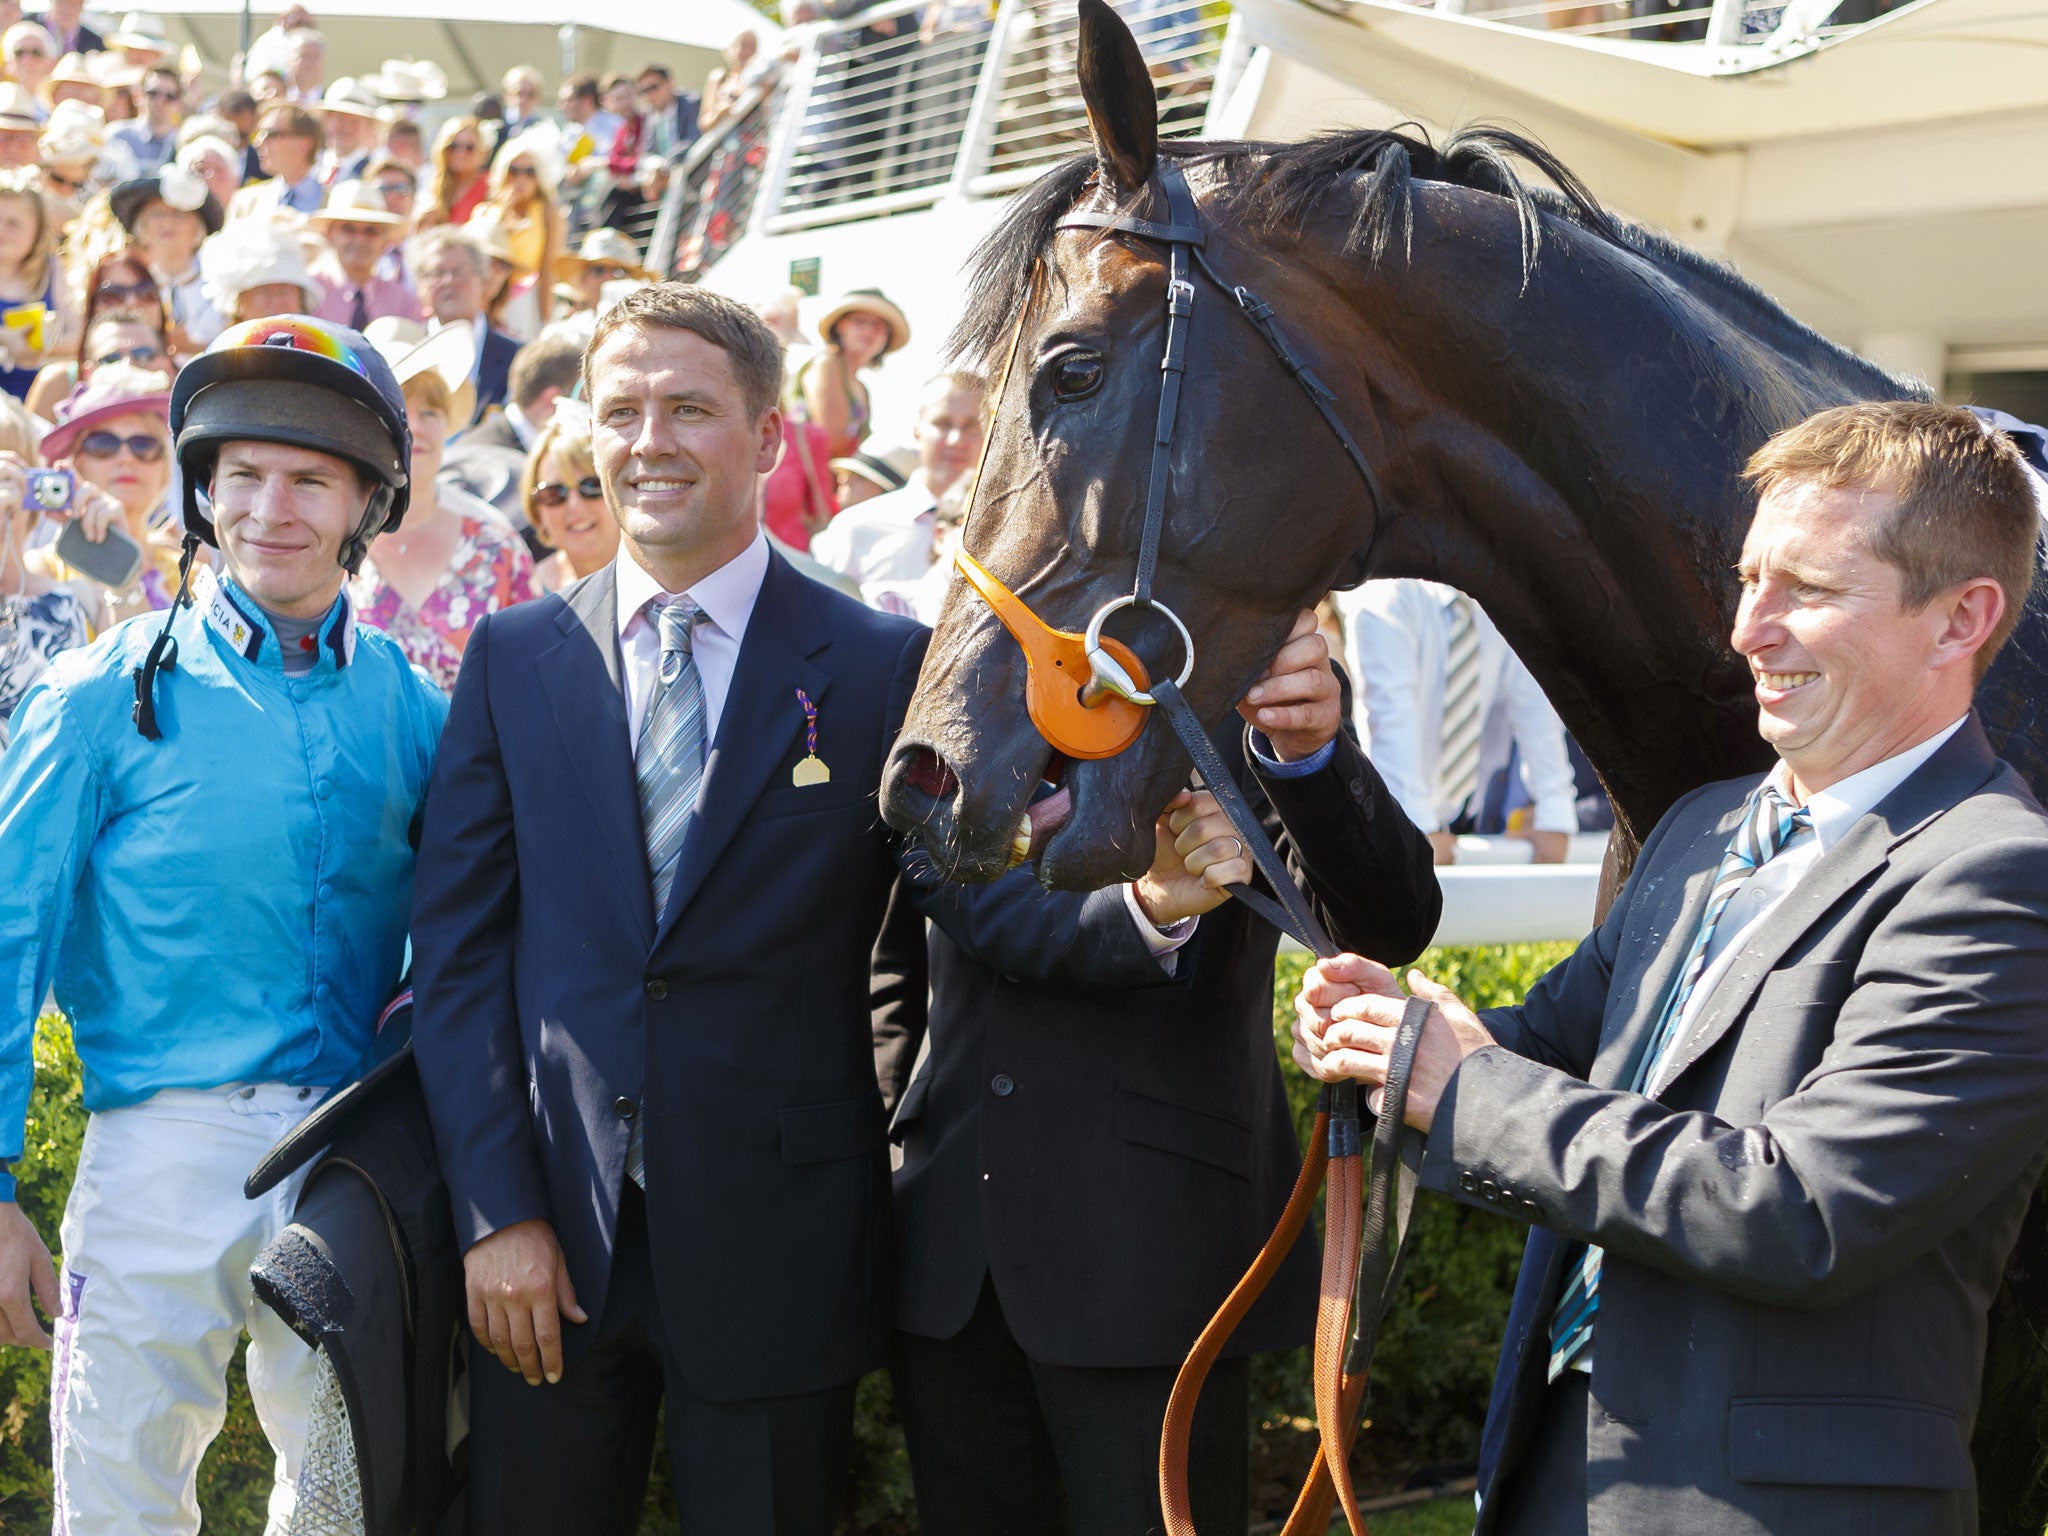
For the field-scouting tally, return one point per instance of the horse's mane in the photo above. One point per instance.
(1277, 187)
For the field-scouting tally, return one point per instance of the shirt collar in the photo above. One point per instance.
(1841, 805)
(243, 626)
(522, 428)
(727, 595)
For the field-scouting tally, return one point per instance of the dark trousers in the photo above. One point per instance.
(571, 1459)
(1546, 1495)
(1004, 1445)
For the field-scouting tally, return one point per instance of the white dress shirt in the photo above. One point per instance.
(727, 597)
(1396, 635)
(887, 538)
(1834, 811)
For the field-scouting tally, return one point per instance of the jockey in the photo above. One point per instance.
(206, 834)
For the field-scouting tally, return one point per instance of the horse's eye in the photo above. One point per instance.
(1077, 376)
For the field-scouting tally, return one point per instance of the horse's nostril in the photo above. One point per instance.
(930, 775)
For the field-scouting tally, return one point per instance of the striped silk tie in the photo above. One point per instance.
(1769, 824)
(670, 766)
(1458, 763)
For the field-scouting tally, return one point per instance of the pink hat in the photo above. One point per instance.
(115, 389)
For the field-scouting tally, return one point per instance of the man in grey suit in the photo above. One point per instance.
(1776, 1121)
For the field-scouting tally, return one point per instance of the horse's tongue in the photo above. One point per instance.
(1041, 819)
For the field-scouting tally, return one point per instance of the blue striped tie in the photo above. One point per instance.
(1769, 824)
(669, 764)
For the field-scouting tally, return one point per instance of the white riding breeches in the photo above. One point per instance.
(157, 1243)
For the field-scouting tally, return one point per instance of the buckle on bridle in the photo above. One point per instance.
(1180, 298)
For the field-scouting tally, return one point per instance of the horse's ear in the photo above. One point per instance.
(1123, 111)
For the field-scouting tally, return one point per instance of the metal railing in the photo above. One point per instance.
(1719, 24)
(712, 189)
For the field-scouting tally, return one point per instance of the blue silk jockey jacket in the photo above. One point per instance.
(230, 903)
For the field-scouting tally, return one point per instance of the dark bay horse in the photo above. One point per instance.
(1556, 405)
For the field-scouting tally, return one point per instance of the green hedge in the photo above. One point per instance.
(1429, 1391)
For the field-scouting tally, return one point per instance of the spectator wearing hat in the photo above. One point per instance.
(32, 311)
(452, 270)
(152, 139)
(31, 54)
(20, 129)
(167, 215)
(254, 268)
(348, 123)
(47, 616)
(113, 432)
(215, 161)
(408, 84)
(876, 470)
(353, 279)
(455, 559)
(141, 41)
(890, 538)
(67, 30)
(69, 152)
(857, 332)
(74, 79)
(605, 256)
(288, 142)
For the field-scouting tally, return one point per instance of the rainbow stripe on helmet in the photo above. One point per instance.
(300, 333)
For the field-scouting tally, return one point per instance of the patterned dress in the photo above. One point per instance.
(33, 630)
(489, 570)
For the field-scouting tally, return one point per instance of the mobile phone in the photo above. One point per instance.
(50, 490)
(114, 562)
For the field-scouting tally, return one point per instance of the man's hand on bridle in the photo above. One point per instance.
(25, 1267)
(518, 1287)
(1296, 702)
(1196, 854)
(1347, 1014)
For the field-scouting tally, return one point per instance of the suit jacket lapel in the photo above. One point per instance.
(580, 674)
(760, 720)
(1960, 766)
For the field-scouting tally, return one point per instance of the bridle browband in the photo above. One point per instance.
(1365, 1248)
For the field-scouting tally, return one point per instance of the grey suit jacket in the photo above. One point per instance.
(1805, 1227)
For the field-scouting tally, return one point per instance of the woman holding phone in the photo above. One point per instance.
(40, 616)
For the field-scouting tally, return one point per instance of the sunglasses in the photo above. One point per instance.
(523, 170)
(66, 183)
(589, 488)
(104, 445)
(462, 147)
(118, 293)
(138, 355)
(394, 189)
(607, 272)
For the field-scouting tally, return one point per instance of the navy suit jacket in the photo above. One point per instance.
(554, 1005)
(494, 371)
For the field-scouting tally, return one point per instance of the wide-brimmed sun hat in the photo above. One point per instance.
(76, 134)
(408, 80)
(351, 202)
(888, 465)
(349, 97)
(412, 350)
(144, 32)
(867, 301)
(17, 110)
(175, 186)
(602, 248)
(252, 253)
(114, 389)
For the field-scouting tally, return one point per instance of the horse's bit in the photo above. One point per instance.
(1363, 1250)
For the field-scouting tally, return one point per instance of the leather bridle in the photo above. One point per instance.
(1364, 1248)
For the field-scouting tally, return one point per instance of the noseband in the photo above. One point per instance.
(1367, 1229)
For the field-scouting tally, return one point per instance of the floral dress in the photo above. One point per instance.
(33, 630)
(489, 570)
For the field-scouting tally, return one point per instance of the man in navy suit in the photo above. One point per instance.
(651, 879)
(452, 270)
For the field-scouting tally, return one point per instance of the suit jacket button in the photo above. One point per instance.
(626, 1107)
(657, 988)
(1468, 1182)
(1002, 1085)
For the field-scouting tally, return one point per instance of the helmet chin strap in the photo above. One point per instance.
(375, 515)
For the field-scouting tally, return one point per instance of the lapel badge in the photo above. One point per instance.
(812, 769)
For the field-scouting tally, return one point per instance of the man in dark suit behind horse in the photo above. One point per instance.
(651, 877)
(1777, 1120)
(1087, 1173)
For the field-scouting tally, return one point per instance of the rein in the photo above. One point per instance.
(1366, 1240)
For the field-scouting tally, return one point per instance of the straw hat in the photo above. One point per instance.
(602, 248)
(412, 350)
(174, 186)
(17, 110)
(886, 465)
(115, 389)
(350, 202)
(250, 253)
(143, 32)
(349, 97)
(867, 301)
(76, 134)
(72, 69)
(111, 70)
(486, 226)
(408, 80)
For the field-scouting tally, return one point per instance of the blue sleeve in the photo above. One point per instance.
(1262, 750)
(53, 801)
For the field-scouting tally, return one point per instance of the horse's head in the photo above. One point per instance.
(1251, 533)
